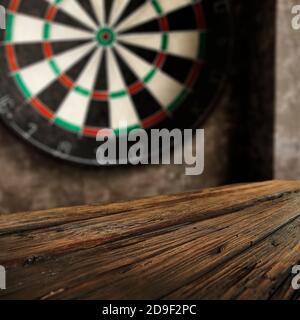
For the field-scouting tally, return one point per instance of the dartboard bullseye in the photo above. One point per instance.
(72, 68)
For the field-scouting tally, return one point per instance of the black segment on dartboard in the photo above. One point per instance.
(146, 54)
(36, 10)
(178, 20)
(102, 77)
(54, 95)
(151, 26)
(28, 54)
(108, 8)
(131, 7)
(152, 105)
(128, 75)
(61, 47)
(75, 71)
(98, 115)
(88, 8)
(182, 69)
(63, 18)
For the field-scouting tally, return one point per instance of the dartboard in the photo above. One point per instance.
(71, 69)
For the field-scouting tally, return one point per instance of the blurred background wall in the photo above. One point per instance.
(239, 137)
(287, 150)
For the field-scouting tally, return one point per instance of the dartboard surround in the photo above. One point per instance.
(137, 62)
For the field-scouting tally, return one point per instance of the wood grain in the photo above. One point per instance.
(235, 242)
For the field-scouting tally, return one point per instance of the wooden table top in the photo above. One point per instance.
(234, 242)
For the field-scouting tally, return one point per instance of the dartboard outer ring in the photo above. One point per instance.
(53, 128)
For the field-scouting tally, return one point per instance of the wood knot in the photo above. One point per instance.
(33, 260)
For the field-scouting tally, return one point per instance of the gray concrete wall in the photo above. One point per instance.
(287, 149)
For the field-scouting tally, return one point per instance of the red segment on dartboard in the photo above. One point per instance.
(11, 57)
(136, 87)
(51, 13)
(36, 103)
(67, 81)
(47, 49)
(149, 122)
(14, 5)
(200, 16)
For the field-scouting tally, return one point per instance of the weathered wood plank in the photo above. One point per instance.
(257, 273)
(171, 246)
(102, 224)
(232, 196)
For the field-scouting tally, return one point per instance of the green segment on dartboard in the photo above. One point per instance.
(105, 37)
